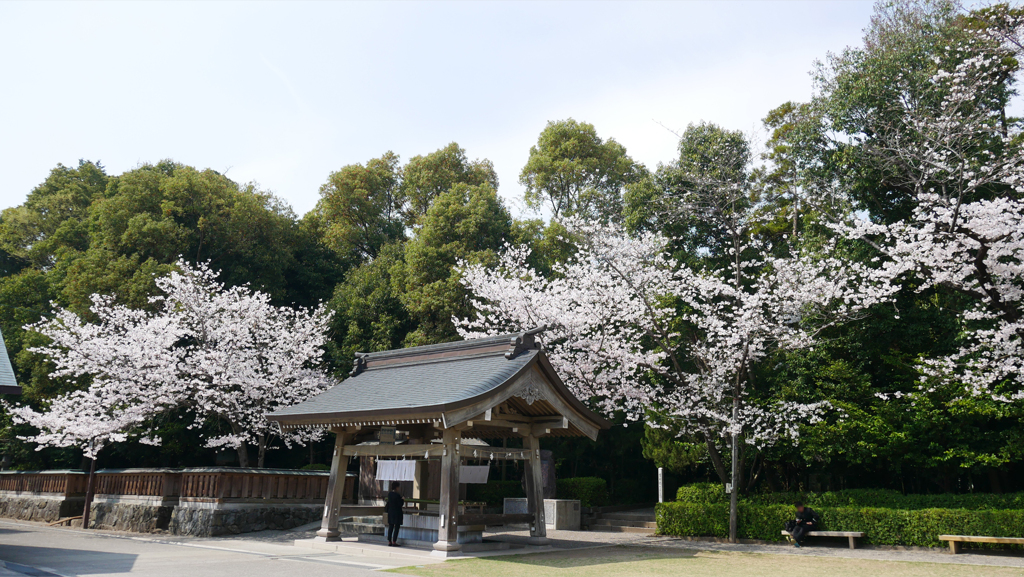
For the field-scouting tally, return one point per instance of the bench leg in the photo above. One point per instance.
(954, 547)
(853, 544)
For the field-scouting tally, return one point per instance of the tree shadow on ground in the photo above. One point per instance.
(84, 562)
(598, 556)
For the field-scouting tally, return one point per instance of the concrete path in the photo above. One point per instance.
(39, 551)
(36, 550)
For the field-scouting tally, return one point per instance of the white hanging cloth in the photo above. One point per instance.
(474, 474)
(404, 470)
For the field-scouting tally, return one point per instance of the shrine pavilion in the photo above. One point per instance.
(487, 388)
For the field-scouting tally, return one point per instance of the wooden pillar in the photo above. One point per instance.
(535, 494)
(335, 489)
(448, 513)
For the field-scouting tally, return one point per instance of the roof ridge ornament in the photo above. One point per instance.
(358, 364)
(525, 341)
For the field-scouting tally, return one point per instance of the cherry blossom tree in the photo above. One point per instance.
(243, 357)
(222, 353)
(634, 329)
(965, 162)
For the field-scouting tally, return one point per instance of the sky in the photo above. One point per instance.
(283, 94)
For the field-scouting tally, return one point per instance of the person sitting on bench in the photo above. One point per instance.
(805, 522)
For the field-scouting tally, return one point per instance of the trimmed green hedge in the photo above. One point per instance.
(315, 467)
(590, 491)
(494, 492)
(701, 493)
(880, 498)
(907, 527)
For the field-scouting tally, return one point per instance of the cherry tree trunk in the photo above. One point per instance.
(89, 490)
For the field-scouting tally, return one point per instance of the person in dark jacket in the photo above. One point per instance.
(393, 507)
(806, 520)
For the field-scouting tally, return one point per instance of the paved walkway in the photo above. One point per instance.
(39, 551)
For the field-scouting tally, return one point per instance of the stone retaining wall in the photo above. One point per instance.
(45, 509)
(231, 520)
(135, 517)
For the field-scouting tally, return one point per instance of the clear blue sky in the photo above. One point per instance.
(284, 93)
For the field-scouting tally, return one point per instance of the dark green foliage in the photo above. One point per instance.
(315, 467)
(494, 493)
(903, 527)
(693, 520)
(589, 491)
(702, 494)
(573, 172)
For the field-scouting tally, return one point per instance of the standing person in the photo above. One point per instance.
(806, 520)
(394, 509)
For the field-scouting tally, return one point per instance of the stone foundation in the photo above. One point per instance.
(38, 508)
(134, 517)
(240, 518)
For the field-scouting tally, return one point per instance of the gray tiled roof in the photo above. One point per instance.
(426, 384)
(7, 382)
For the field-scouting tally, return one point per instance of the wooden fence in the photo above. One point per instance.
(138, 482)
(215, 485)
(66, 483)
(220, 485)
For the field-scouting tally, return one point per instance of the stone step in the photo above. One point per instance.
(619, 529)
(361, 528)
(630, 516)
(623, 523)
(429, 546)
(370, 519)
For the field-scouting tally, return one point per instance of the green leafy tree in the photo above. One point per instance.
(467, 223)
(368, 311)
(360, 208)
(152, 214)
(52, 217)
(573, 172)
(427, 177)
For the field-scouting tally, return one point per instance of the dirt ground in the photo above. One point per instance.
(631, 561)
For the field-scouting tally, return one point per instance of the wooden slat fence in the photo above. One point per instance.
(44, 482)
(212, 484)
(254, 485)
(138, 482)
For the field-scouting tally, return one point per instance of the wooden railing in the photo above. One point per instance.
(138, 482)
(63, 482)
(248, 485)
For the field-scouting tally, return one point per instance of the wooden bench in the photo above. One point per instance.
(851, 535)
(956, 540)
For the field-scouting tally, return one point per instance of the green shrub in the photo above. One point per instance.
(494, 492)
(882, 526)
(877, 498)
(692, 519)
(590, 491)
(315, 467)
(701, 493)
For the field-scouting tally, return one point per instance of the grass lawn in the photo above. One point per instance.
(658, 562)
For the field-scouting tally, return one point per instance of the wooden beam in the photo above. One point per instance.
(541, 428)
(392, 450)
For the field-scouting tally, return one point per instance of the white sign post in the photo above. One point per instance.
(661, 484)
